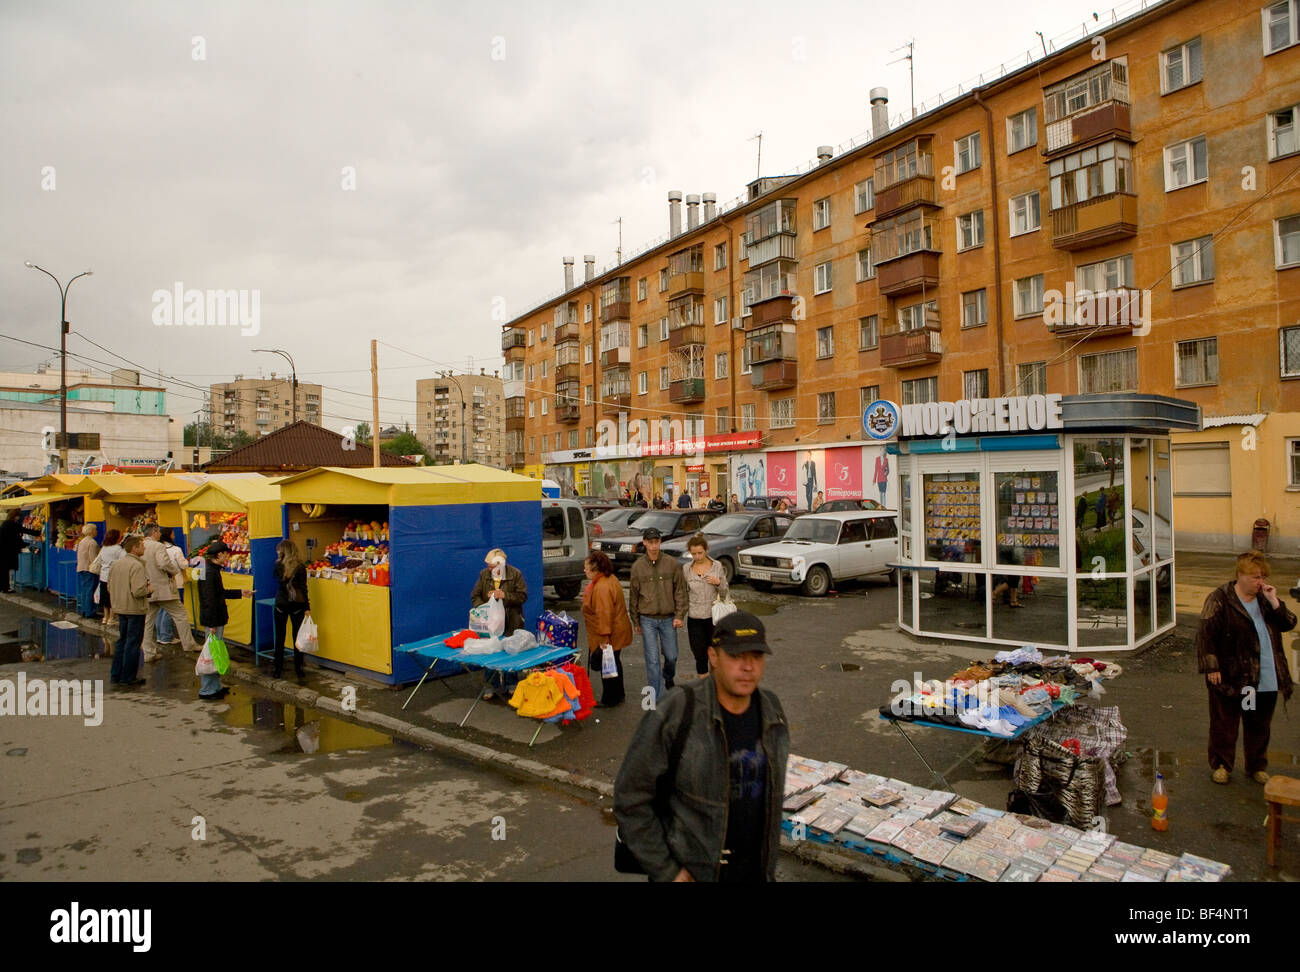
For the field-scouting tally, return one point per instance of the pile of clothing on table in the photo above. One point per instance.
(560, 694)
(1003, 695)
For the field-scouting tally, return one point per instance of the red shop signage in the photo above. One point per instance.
(731, 441)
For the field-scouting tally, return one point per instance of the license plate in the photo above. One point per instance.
(626, 548)
(551, 553)
(759, 575)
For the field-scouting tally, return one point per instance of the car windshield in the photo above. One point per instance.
(731, 525)
(659, 520)
(613, 516)
(818, 531)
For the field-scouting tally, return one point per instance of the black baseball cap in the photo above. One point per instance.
(651, 533)
(216, 549)
(740, 632)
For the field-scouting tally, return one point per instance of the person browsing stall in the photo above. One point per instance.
(504, 582)
(658, 603)
(604, 613)
(292, 606)
(212, 609)
(129, 583)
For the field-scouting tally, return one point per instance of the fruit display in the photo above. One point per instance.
(35, 520)
(360, 557)
(232, 530)
(141, 520)
(66, 534)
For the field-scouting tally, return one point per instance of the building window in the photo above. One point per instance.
(974, 308)
(1282, 135)
(1105, 275)
(642, 335)
(742, 248)
(543, 338)
(1025, 214)
(720, 365)
(586, 354)
(1286, 233)
(530, 374)
(573, 438)
(586, 313)
(588, 391)
(1031, 378)
(1110, 371)
(821, 213)
(822, 278)
(864, 196)
(642, 382)
(1022, 130)
(1280, 25)
(724, 420)
(663, 329)
(530, 337)
(1193, 261)
(590, 436)
(867, 395)
(970, 230)
(663, 280)
(747, 418)
(557, 442)
(544, 364)
(825, 342)
(1185, 164)
(640, 289)
(966, 152)
(1293, 463)
(720, 310)
(1196, 362)
(1097, 171)
(916, 316)
(825, 408)
(720, 257)
(783, 413)
(530, 443)
(1289, 351)
(544, 406)
(663, 377)
(868, 333)
(918, 391)
(866, 269)
(975, 384)
(1180, 66)
(745, 366)
(1029, 296)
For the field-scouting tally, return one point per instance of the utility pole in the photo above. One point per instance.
(374, 395)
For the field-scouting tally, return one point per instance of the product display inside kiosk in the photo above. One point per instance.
(66, 520)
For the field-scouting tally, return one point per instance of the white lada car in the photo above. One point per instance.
(823, 547)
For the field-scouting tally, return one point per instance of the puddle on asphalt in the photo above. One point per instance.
(1171, 762)
(757, 607)
(304, 730)
(37, 639)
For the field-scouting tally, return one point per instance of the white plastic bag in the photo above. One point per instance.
(480, 646)
(478, 619)
(496, 617)
(608, 664)
(722, 608)
(95, 597)
(518, 642)
(205, 665)
(308, 640)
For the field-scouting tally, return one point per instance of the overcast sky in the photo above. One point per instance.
(205, 143)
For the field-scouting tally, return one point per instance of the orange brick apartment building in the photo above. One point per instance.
(1157, 159)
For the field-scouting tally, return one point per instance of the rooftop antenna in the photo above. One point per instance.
(910, 47)
(759, 174)
(1042, 40)
(620, 238)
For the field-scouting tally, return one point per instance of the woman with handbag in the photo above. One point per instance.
(604, 610)
(166, 631)
(706, 582)
(109, 554)
(291, 604)
(87, 579)
(212, 611)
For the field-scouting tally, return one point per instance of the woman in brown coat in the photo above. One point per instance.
(605, 613)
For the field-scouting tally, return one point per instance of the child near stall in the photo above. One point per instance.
(212, 609)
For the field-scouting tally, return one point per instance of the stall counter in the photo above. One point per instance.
(239, 628)
(354, 623)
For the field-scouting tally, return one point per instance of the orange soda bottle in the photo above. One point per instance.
(1159, 804)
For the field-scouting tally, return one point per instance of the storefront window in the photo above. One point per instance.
(1099, 505)
(952, 602)
(952, 517)
(1103, 612)
(907, 595)
(905, 513)
(1029, 519)
(1043, 615)
(1162, 522)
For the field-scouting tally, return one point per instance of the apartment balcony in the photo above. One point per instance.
(1106, 313)
(568, 372)
(683, 336)
(566, 332)
(917, 190)
(772, 375)
(1095, 221)
(1091, 106)
(566, 411)
(690, 282)
(613, 403)
(513, 337)
(1109, 120)
(515, 423)
(906, 349)
(616, 356)
(908, 273)
(781, 246)
(616, 310)
(686, 391)
(518, 458)
(780, 308)
(515, 352)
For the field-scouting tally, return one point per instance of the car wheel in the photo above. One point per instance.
(759, 585)
(567, 590)
(818, 582)
(728, 569)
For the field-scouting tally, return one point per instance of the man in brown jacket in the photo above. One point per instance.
(1239, 650)
(163, 596)
(128, 590)
(658, 602)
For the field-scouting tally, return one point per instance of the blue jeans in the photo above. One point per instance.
(126, 657)
(659, 635)
(211, 684)
(164, 628)
(86, 584)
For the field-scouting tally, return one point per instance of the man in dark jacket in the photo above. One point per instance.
(212, 608)
(1239, 650)
(11, 544)
(510, 587)
(721, 819)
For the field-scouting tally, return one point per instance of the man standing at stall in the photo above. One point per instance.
(657, 602)
(163, 596)
(716, 814)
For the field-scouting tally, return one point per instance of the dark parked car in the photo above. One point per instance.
(767, 503)
(624, 547)
(615, 520)
(848, 506)
(732, 533)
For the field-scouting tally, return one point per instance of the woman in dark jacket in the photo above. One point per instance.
(500, 580)
(212, 608)
(291, 604)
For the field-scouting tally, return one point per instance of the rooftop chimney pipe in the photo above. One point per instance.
(590, 261)
(879, 111)
(568, 274)
(824, 153)
(674, 212)
(710, 206)
(692, 211)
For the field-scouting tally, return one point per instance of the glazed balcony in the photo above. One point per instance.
(686, 336)
(613, 404)
(515, 352)
(566, 332)
(518, 458)
(566, 411)
(616, 356)
(775, 342)
(689, 282)
(616, 300)
(772, 375)
(1095, 221)
(686, 391)
(568, 372)
(1089, 107)
(906, 349)
(905, 274)
(904, 177)
(918, 190)
(772, 311)
(1106, 313)
(513, 337)
(515, 424)
(618, 310)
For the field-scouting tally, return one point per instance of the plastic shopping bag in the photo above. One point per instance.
(608, 664)
(478, 619)
(216, 649)
(205, 665)
(95, 597)
(722, 608)
(519, 641)
(308, 640)
(496, 617)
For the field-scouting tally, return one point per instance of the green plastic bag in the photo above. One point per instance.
(220, 657)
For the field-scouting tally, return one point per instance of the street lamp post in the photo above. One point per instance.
(293, 371)
(63, 358)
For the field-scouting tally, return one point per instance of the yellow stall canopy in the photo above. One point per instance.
(254, 495)
(23, 502)
(400, 486)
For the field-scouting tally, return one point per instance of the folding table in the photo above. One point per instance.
(433, 650)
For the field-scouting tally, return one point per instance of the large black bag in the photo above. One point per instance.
(625, 861)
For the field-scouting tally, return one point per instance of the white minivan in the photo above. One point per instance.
(565, 546)
(824, 547)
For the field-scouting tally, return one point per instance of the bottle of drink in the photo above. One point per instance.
(1159, 804)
